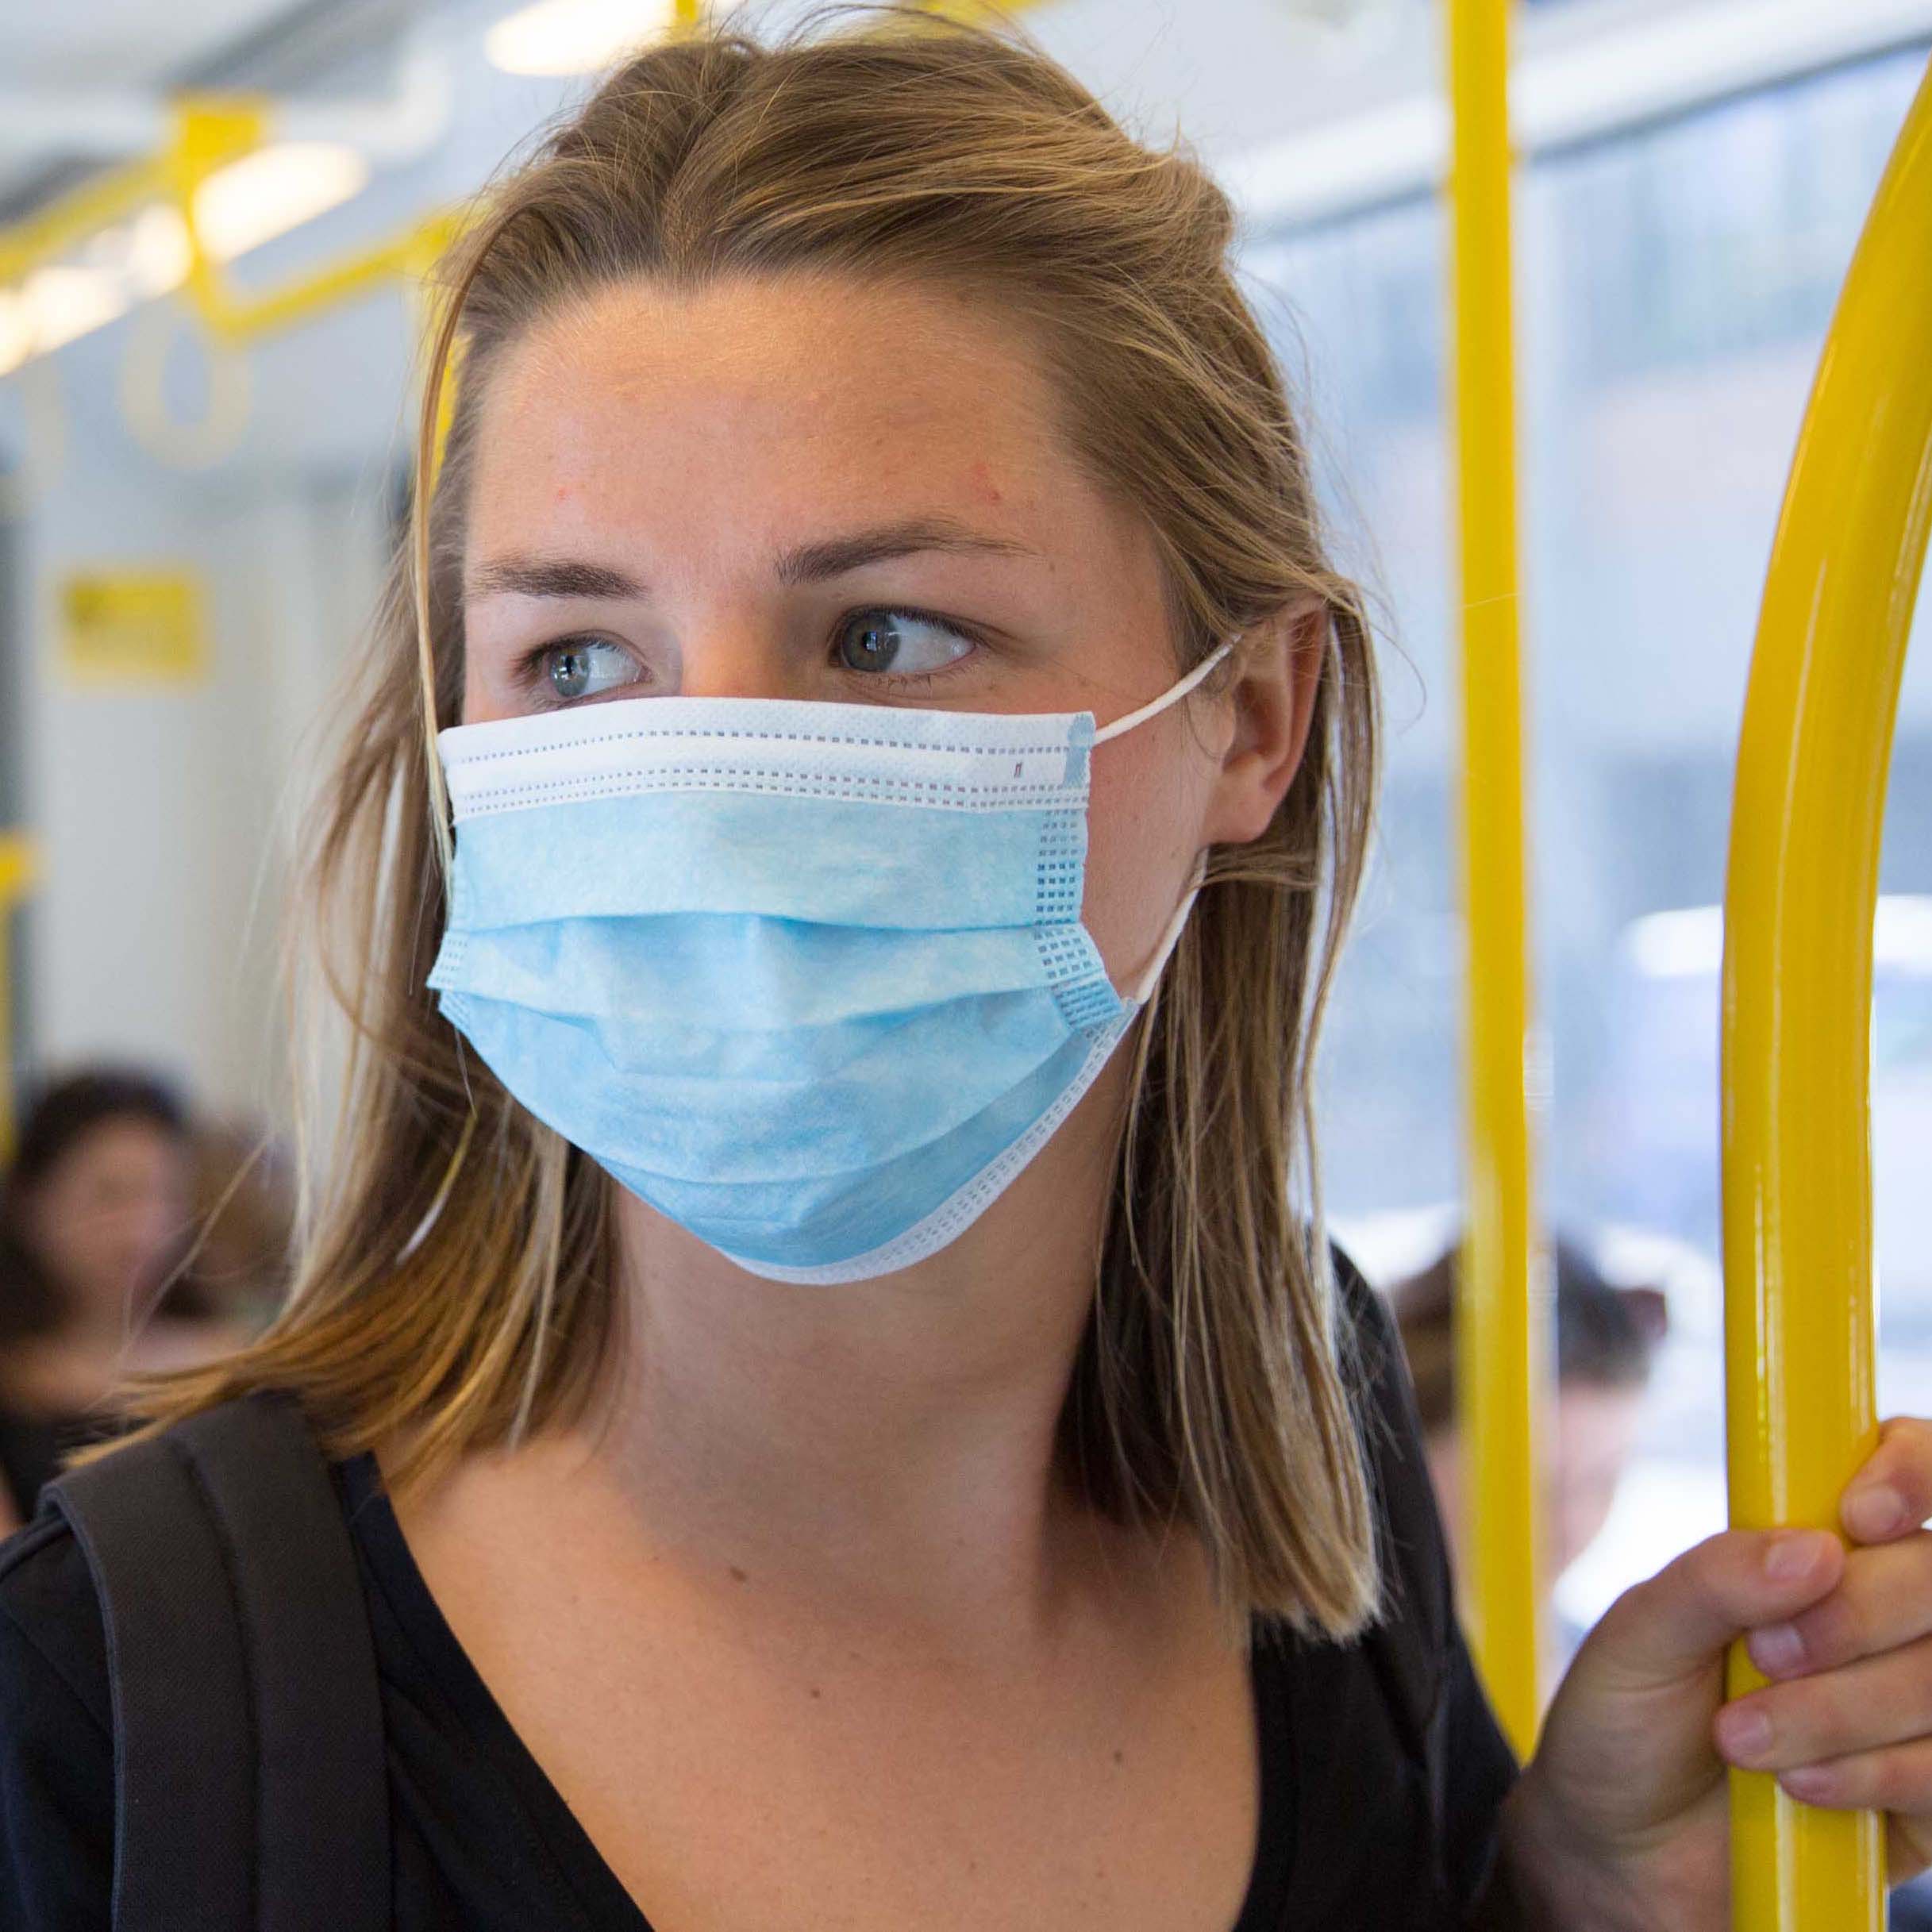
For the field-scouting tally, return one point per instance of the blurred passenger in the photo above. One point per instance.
(95, 1218)
(1606, 1338)
(244, 1219)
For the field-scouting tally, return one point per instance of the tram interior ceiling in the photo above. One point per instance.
(1603, 315)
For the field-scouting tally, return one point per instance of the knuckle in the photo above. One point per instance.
(1830, 1631)
(1809, 1723)
(1840, 1782)
(1906, 1443)
(1897, 1781)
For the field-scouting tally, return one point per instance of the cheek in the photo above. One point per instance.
(66, 1239)
(1144, 827)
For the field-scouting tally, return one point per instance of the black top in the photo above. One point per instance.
(1357, 1826)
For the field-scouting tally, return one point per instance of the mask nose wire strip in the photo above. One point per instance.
(1173, 695)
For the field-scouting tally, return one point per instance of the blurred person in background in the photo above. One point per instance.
(95, 1212)
(244, 1220)
(1606, 1336)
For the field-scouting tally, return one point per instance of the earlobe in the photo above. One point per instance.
(1274, 700)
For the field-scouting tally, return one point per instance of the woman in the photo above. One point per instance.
(825, 1384)
(94, 1215)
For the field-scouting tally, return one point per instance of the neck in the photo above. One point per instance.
(892, 1439)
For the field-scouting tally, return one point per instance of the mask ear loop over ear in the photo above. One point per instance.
(1173, 695)
(1143, 987)
(1170, 938)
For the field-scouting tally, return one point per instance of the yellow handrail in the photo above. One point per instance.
(1500, 1368)
(16, 874)
(69, 220)
(1807, 818)
(210, 131)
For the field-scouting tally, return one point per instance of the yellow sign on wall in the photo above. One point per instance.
(132, 627)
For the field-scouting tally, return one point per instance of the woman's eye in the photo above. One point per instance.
(585, 668)
(899, 641)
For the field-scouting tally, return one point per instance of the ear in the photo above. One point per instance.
(1274, 705)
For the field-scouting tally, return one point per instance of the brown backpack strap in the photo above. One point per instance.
(250, 1774)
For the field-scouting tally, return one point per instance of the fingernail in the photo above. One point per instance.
(1777, 1647)
(1876, 1510)
(1791, 1554)
(1744, 1732)
(1808, 1781)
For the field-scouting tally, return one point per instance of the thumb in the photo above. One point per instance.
(1680, 1620)
(1627, 1743)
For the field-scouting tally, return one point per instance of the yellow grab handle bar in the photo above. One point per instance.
(16, 870)
(1500, 1368)
(1806, 819)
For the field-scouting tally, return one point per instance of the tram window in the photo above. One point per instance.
(1675, 285)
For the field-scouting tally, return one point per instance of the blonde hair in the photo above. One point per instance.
(456, 1286)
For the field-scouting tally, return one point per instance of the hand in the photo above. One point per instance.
(1625, 1801)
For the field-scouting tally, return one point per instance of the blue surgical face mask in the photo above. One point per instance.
(810, 979)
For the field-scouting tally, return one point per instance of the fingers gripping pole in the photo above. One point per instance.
(1807, 818)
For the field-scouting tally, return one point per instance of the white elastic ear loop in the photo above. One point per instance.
(1173, 695)
(1170, 937)
(1144, 989)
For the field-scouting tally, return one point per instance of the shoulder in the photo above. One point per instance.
(51, 1632)
(207, 1547)
(1417, 1648)
(56, 1737)
(1414, 1642)
(52, 1626)
(1369, 1346)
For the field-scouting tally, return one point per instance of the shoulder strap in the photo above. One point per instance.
(250, 1782)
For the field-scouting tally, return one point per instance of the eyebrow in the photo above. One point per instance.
(538, 576)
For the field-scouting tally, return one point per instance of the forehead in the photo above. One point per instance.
(794, 396)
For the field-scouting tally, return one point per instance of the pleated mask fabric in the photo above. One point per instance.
(809, 978)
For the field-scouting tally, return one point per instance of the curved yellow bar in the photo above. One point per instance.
(17, 870)
(1500, 1368)
(1806, 823)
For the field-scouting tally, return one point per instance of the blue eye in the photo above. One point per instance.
(899, 641)
(587, 667)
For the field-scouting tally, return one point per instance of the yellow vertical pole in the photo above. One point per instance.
(16, 878)
(1806, 820)
(1499, 1365)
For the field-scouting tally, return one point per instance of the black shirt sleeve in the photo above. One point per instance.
(56, 1738)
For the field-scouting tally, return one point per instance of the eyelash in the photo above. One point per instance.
(527, 672)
